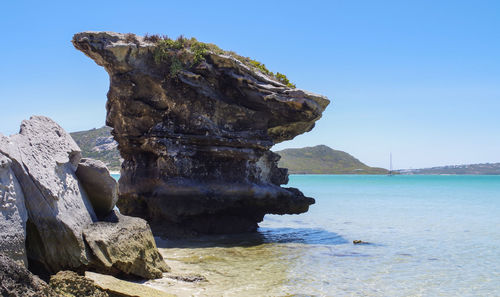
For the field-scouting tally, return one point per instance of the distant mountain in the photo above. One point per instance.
(486, 169)
(321, 159)
(99, 144)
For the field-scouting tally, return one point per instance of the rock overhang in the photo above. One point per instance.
(184, 133)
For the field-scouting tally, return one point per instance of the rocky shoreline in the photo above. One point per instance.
(196, 147)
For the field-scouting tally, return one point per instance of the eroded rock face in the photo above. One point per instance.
(125, 245)
(101, 187)
(13, 215)
(196, 143)
(44, 159)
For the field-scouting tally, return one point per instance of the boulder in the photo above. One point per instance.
(195, 126)
(16, 280)
(61, 232)
(44, 160)
(125, 245)
(13, 214)
(101, 187)
(70, 284)
(118, 287)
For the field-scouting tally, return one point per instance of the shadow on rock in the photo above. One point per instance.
(263, 236)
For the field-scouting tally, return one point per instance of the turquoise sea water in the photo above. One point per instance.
(428, 235)
(431, 235)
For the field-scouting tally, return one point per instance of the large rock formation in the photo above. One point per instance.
(38, 177)
(45, 158)
(195, 127)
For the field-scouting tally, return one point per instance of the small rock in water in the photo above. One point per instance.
(359, 242)
(193, 278)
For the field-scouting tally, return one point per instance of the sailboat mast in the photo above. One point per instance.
(391, 163)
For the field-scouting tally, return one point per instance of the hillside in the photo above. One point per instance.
(485, 169)
(99, 144)
(321, 159)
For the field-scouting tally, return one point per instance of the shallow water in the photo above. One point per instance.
(428, 235)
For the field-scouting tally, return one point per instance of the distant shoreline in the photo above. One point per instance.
(443, 174)
(395, 174)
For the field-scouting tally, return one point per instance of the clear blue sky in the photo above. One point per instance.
(420, 79)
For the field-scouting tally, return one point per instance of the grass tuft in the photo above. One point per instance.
(152, 38)
(130, 38)
(166, 48)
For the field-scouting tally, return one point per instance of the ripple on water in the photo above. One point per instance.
(416, 226)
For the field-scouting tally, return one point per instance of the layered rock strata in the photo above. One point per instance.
(195, 128)
(48, 217)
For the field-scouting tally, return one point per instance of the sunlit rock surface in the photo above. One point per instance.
(196, 141)
(44, 159)
(13, 215)
(126, 245)
(48, 209)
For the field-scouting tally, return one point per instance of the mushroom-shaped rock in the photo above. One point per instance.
(195, 126)
(101, 187)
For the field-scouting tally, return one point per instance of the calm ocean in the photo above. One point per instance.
(428, 235)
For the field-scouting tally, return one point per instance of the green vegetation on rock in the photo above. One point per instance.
(321, 159)
(173, 52)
